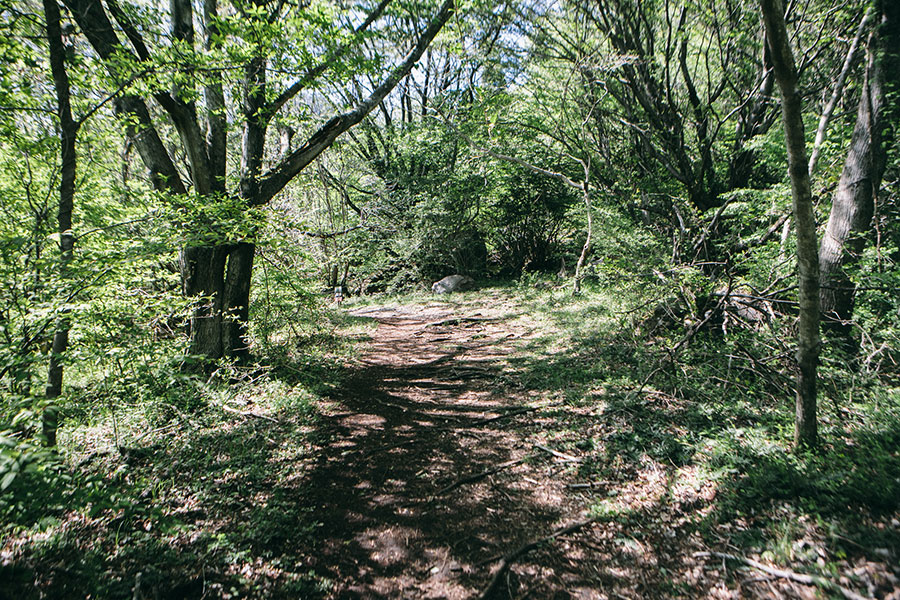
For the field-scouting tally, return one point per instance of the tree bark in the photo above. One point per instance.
(68, 132)
(805, 425)
(202, 275)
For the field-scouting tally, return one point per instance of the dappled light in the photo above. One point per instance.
(462, 432)
(433, 299)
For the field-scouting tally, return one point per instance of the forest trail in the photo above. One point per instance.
(402, 490)
(425, 410)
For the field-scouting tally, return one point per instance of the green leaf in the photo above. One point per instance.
(7, 480)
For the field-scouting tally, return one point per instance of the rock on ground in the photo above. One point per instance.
(453, 283)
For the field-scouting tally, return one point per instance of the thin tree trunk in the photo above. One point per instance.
(586, 194)
(238, 276)
(805, 426)
(68, 131)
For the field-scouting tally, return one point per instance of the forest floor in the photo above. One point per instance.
(442, 466)
(459, 454)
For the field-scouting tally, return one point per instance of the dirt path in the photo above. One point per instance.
(424, 411)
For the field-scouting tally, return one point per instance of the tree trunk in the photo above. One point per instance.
(238, 276)
(805, 426)
(219, 276)
(68, 131)
(203, 277)
(852, 207)
(586, 196)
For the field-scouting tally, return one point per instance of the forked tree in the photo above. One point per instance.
(194, 105)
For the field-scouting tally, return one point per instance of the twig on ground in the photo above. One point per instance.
(803, 578)
(458, 320)
(511, 558)
(482, 475)
(588, 485)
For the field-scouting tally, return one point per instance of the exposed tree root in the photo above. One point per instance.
(482, 475)
(511, 558)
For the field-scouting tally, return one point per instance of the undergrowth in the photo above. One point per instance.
(722, 406)
(177, 484)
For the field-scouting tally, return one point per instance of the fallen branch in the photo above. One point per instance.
(557, 454)
(587, 486)
(785, 574)
(511, 558)
(482, 475)
(460, 321)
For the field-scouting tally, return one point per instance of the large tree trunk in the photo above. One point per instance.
(203, 277)
(68, 131)
(854, 200)
(219, 276)
(852, 209)
(805, 426)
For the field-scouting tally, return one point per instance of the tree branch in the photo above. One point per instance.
(98, 29)
(314, 72)
(275, 180)
(838, 90)
(785, 574)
